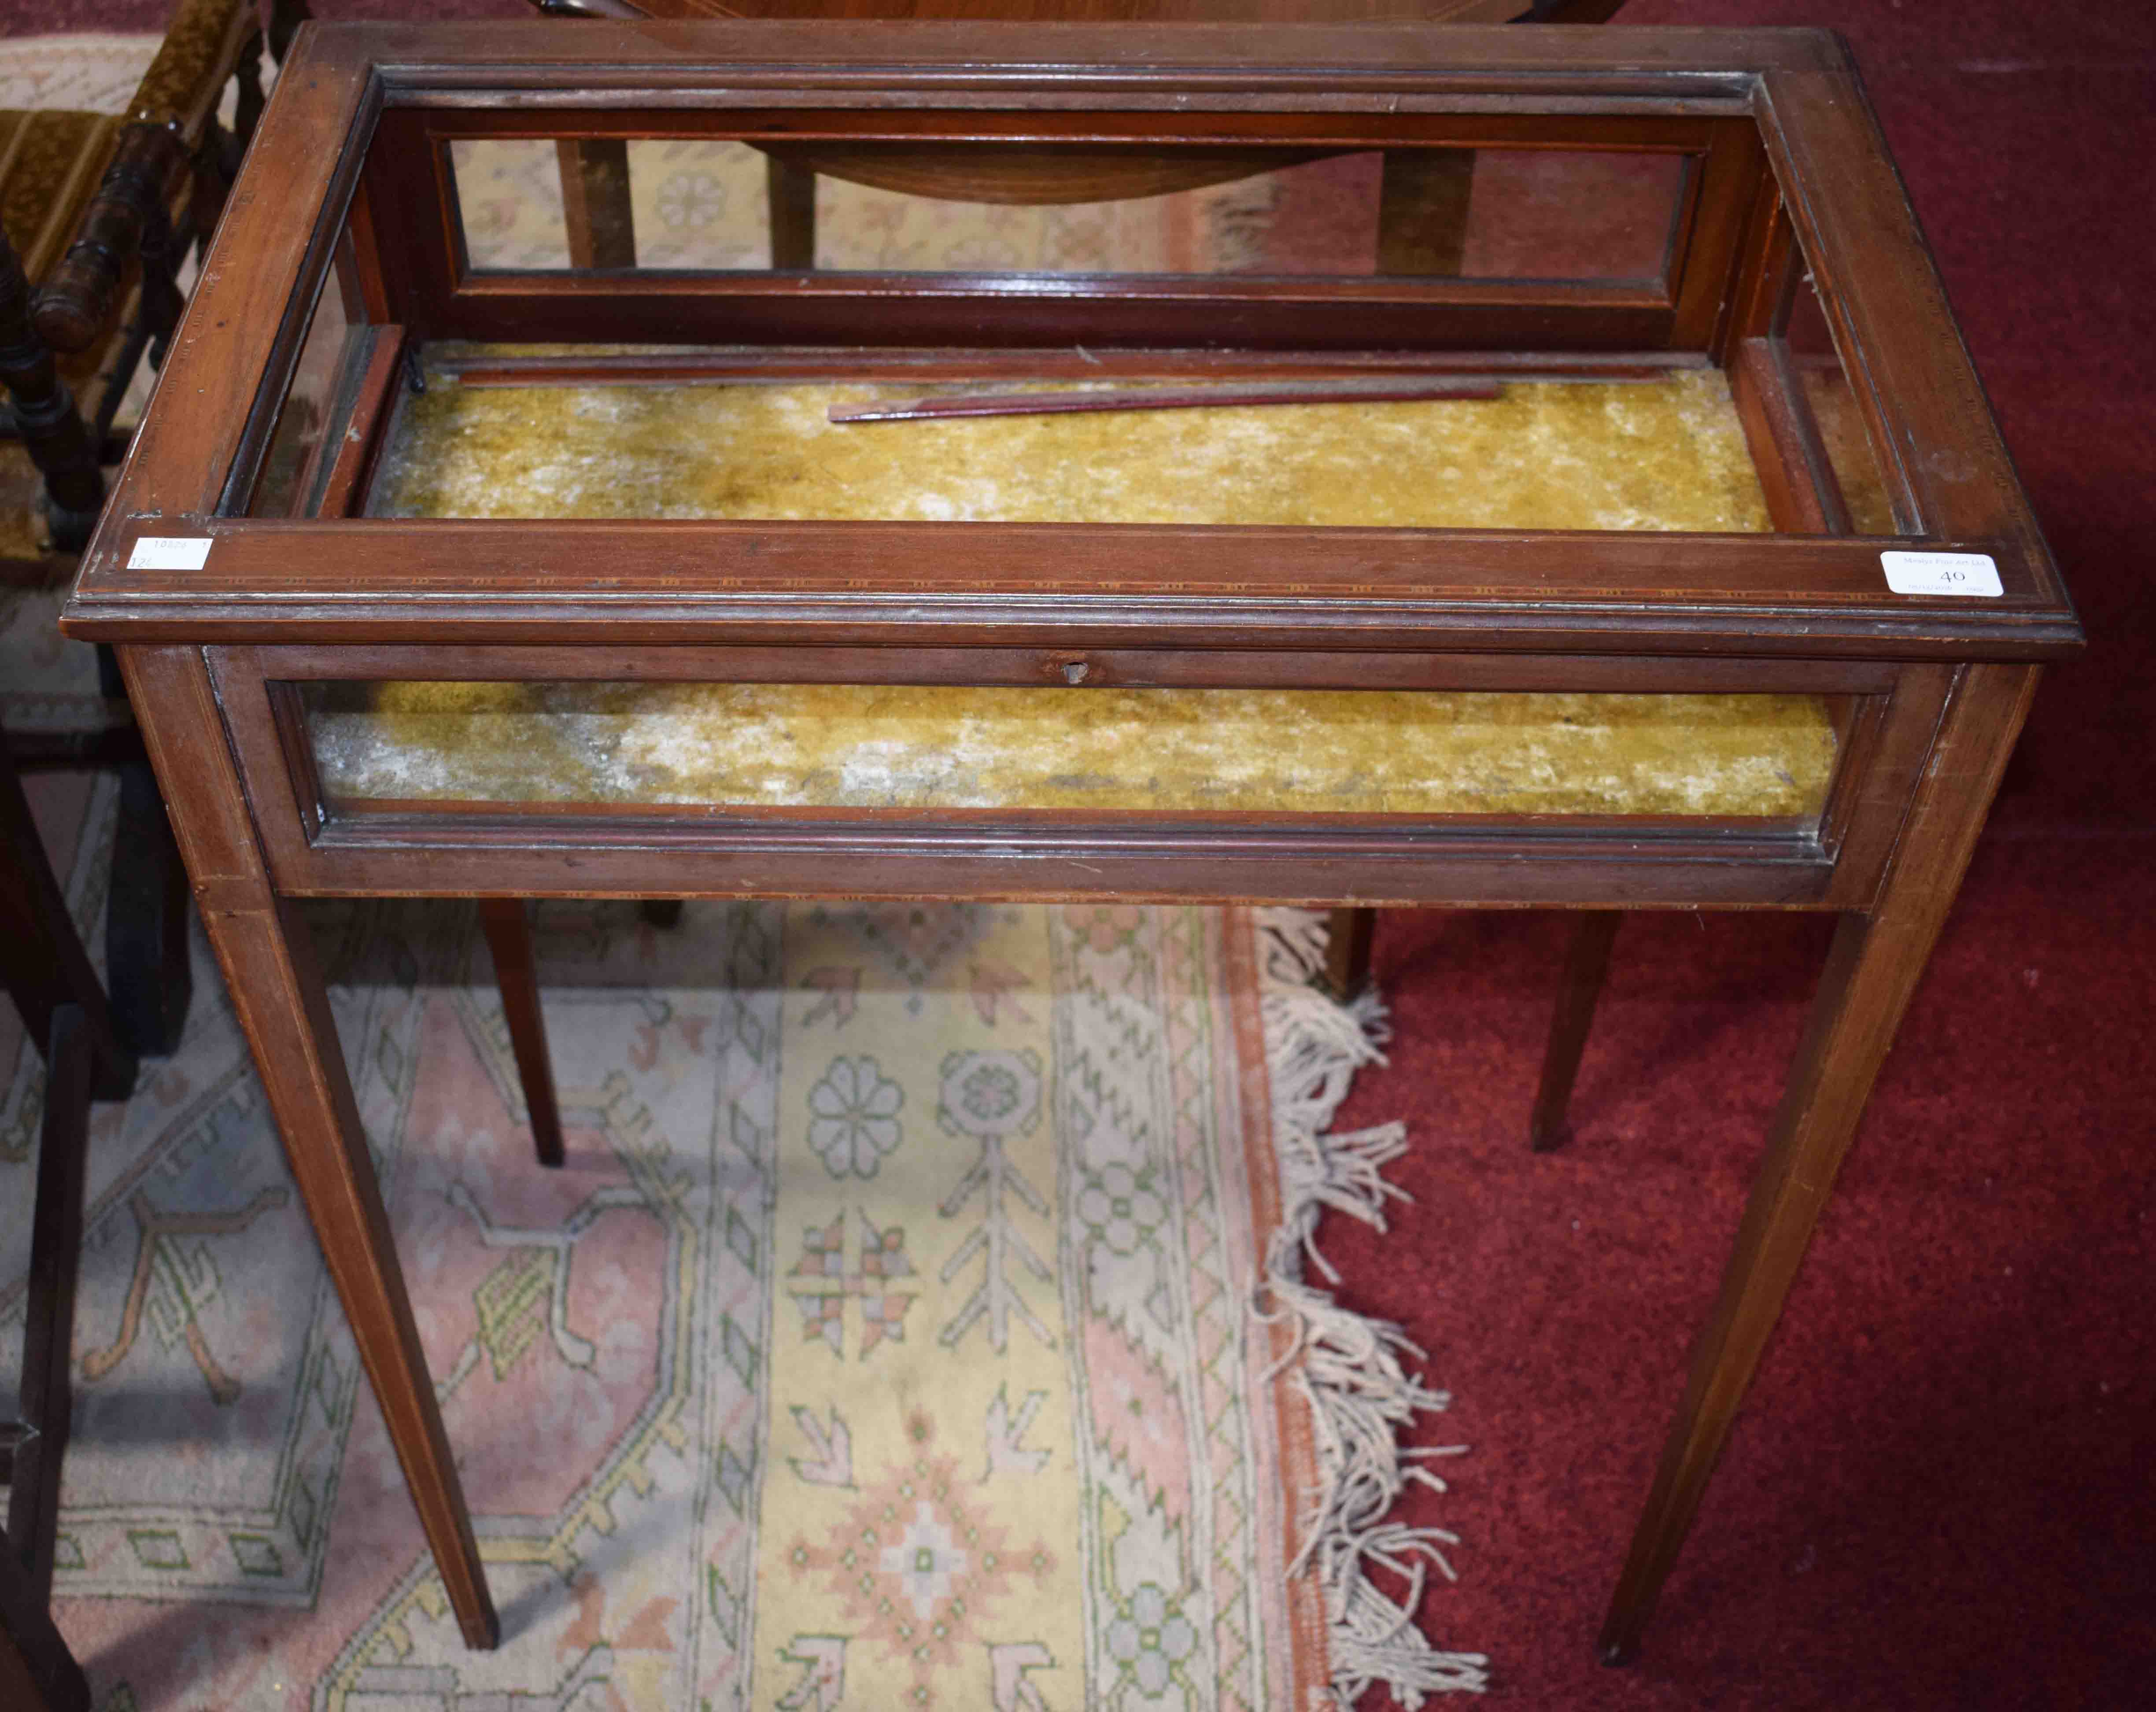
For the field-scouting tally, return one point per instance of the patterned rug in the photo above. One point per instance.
(88, 73)
(917, 1323)
(701, 204)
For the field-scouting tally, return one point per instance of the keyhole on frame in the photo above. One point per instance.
(1074, 671)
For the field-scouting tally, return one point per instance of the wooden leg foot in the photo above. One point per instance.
(1547, 1138)
(1586, 967)
(1347, 950)
(481, 1630)
(508, 938)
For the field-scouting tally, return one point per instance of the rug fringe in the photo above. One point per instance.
(1348, 1368)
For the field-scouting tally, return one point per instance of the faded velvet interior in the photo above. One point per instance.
(1662, 454)
(1403, 752)
(1668, 453)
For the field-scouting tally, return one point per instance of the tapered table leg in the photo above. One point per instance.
(508, 938)
(1347, 950)
(1586, 967)
(1877, 960)
(277, 993)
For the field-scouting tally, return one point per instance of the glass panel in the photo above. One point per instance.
(509, 198)
(1247, 225)
(1564, 214)
(1840, 415)
(296, 464)
(975, 208)
(700, 204)
(1666, 452)
(1386, 752)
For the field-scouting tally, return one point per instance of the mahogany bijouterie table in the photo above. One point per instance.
(1653, 547)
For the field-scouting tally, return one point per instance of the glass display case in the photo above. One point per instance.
(1359, 466)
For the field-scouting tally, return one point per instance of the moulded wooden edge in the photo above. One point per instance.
(532, 580)
(1661, 60)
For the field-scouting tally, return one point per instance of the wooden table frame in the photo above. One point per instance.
(1931, 690)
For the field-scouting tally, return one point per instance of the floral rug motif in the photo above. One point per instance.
(918, 1319)
(886, 1342)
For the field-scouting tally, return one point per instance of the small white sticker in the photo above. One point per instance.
(1941, 573)
(169, 552)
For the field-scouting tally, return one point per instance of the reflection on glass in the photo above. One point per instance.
(1319, 218)
(1568, 214)
(700, 204)
(294, 467)
(509, 198)
(1840, 415)
(679, 203)
(1338, 751)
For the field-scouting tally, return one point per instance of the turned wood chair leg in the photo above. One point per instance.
(1347, 950)
(1876, 960)
(282, 1010)
(1586, 966)
(52, 432)
(508, 938)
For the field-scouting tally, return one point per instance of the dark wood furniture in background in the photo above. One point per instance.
(63, 1010)
(97, 214)
(232, 600)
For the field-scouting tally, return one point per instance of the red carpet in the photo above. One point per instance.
(1940, 1492)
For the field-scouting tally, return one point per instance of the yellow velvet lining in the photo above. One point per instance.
(1665, 454)
(1417, 752)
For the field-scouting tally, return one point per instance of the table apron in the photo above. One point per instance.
(548, 851)
(1082, 863)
